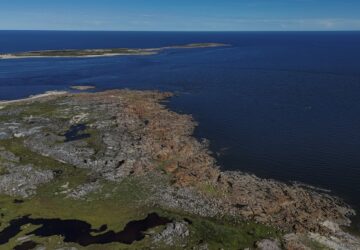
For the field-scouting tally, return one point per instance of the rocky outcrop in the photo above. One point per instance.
(173, 235)
(268, 245)
(22, 180)
(288, 206)
(131, 133)
(17, 179)
(83, 190)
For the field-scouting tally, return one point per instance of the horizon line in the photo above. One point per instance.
(208, 31)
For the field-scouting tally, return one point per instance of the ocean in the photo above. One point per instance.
(281, 105)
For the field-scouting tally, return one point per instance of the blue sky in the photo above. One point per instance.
(187, 15)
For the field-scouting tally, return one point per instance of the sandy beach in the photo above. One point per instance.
(33, 97)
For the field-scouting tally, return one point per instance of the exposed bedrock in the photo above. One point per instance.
(121, 133)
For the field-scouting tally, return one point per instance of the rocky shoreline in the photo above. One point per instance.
(121, 134)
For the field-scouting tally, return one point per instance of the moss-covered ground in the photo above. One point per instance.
(115, 205)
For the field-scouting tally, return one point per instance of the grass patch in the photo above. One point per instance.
(227, 236)
(16, 146)
(39, 109)
(210, 189)
(115, 204)
(48, 109)
(5, 118)
(3, 170)
(223, 233)
(94, 141)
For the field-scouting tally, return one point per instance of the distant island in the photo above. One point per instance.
(105, 52)
(82, 87)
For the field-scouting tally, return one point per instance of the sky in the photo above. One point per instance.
(180, 15)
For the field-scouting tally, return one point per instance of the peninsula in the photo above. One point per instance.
(118, 170)
(104, 52)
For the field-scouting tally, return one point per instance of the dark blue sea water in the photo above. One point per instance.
(280, 105)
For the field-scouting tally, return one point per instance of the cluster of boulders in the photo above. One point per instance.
(20, 180)
(173, 234)
(81, 191)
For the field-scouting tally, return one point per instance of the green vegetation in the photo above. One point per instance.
(94, 141)
(115, 205)
(4, 118)
(39, 109)
(35, 109)
(223, 233)
(69, 174)
(3, 170)
(229, 236)
(210, 189)
(45, 109)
